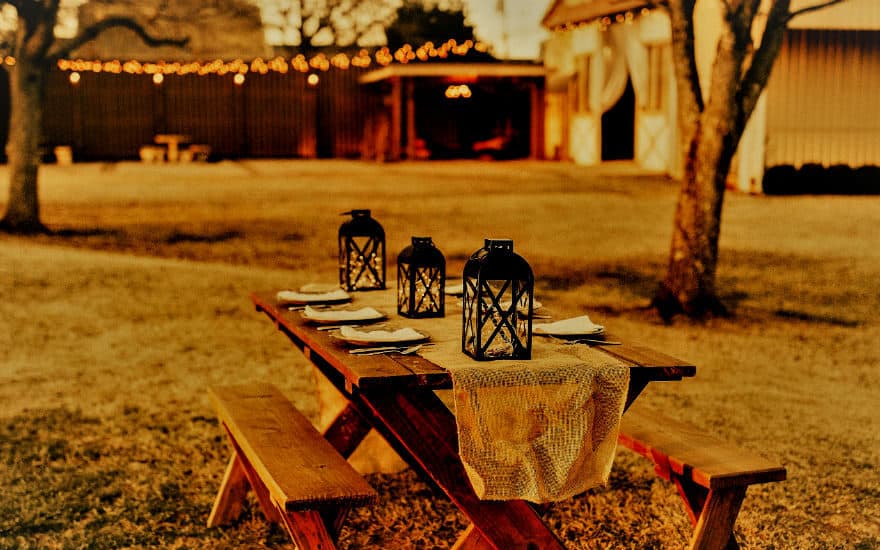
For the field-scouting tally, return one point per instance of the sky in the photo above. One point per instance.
(512, 27)
(520, 23)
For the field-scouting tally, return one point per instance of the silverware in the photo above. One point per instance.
(403, 350)
(593, 342)
(355, 325)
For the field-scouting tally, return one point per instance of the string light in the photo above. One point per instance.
(238, 68)
(604, 22)
(74, 77)
(313, 79)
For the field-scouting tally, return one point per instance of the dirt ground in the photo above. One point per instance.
(114, 326)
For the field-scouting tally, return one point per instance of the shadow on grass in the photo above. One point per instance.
(184, 237)
(87, 232)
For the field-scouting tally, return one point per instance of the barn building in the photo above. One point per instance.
(611, 91)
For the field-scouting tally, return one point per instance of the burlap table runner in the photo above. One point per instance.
(540, 430)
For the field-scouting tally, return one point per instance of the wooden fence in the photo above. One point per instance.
(109, 116)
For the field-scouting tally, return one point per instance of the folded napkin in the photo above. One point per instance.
(400, 335)
(575, 325)
(292, 296)
(361, 314)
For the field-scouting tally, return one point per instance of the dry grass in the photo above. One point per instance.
(115, 325)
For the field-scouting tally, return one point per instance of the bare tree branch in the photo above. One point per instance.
(92, 32)
(755, 78)
(681, 14)
(808, 9)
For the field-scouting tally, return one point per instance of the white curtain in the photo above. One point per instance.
(626, 40)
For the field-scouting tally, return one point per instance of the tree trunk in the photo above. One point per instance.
(27, 85)
(689, 285)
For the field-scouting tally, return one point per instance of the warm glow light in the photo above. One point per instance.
(456, 91)
(74, 77)
(313, 79)
(238, 79)
(158, 78)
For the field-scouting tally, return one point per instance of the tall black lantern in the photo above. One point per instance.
(421, 275)
(361, 252)
(497, 303)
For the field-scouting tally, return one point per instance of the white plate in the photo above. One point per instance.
(339, 316)
(380, 337)
(292, 297)
(568, 328)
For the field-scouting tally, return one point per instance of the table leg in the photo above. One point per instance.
(173, 154)
(423, 425)
(347, 431)
(636, 385)
(471, 539)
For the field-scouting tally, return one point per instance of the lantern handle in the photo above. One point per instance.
(362, 211)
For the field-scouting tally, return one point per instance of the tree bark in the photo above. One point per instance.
(711, 129)
(27, 85)
(35, 51)
(689, 284)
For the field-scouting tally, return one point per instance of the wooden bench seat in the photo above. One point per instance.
(711, 475)
(299, 479)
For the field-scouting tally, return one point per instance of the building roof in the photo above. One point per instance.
(849, 15)
(564, 12)
(454, 70)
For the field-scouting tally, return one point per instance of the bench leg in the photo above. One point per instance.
(714, 527)
(307, 530)
(713, 514)
(256, 484)
(233, 488)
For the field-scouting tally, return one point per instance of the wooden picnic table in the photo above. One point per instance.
(173, 141)
(395, 394)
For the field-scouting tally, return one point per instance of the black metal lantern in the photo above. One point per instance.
(361, 252)
(421, 275)
(497, 303)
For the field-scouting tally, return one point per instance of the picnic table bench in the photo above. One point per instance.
(300, 480)
(711, 475)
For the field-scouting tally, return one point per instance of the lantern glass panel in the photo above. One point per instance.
(361, 252)
(421, 276)
(497, 303)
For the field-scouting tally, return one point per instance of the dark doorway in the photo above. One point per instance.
(493, 121)
(618, 127)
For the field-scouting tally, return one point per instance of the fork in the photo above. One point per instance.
(403, 350)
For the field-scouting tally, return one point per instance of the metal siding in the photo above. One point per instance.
(822, 101)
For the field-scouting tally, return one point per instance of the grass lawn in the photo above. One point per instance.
(114, 326)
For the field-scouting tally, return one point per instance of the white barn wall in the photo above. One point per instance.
(822, 100)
